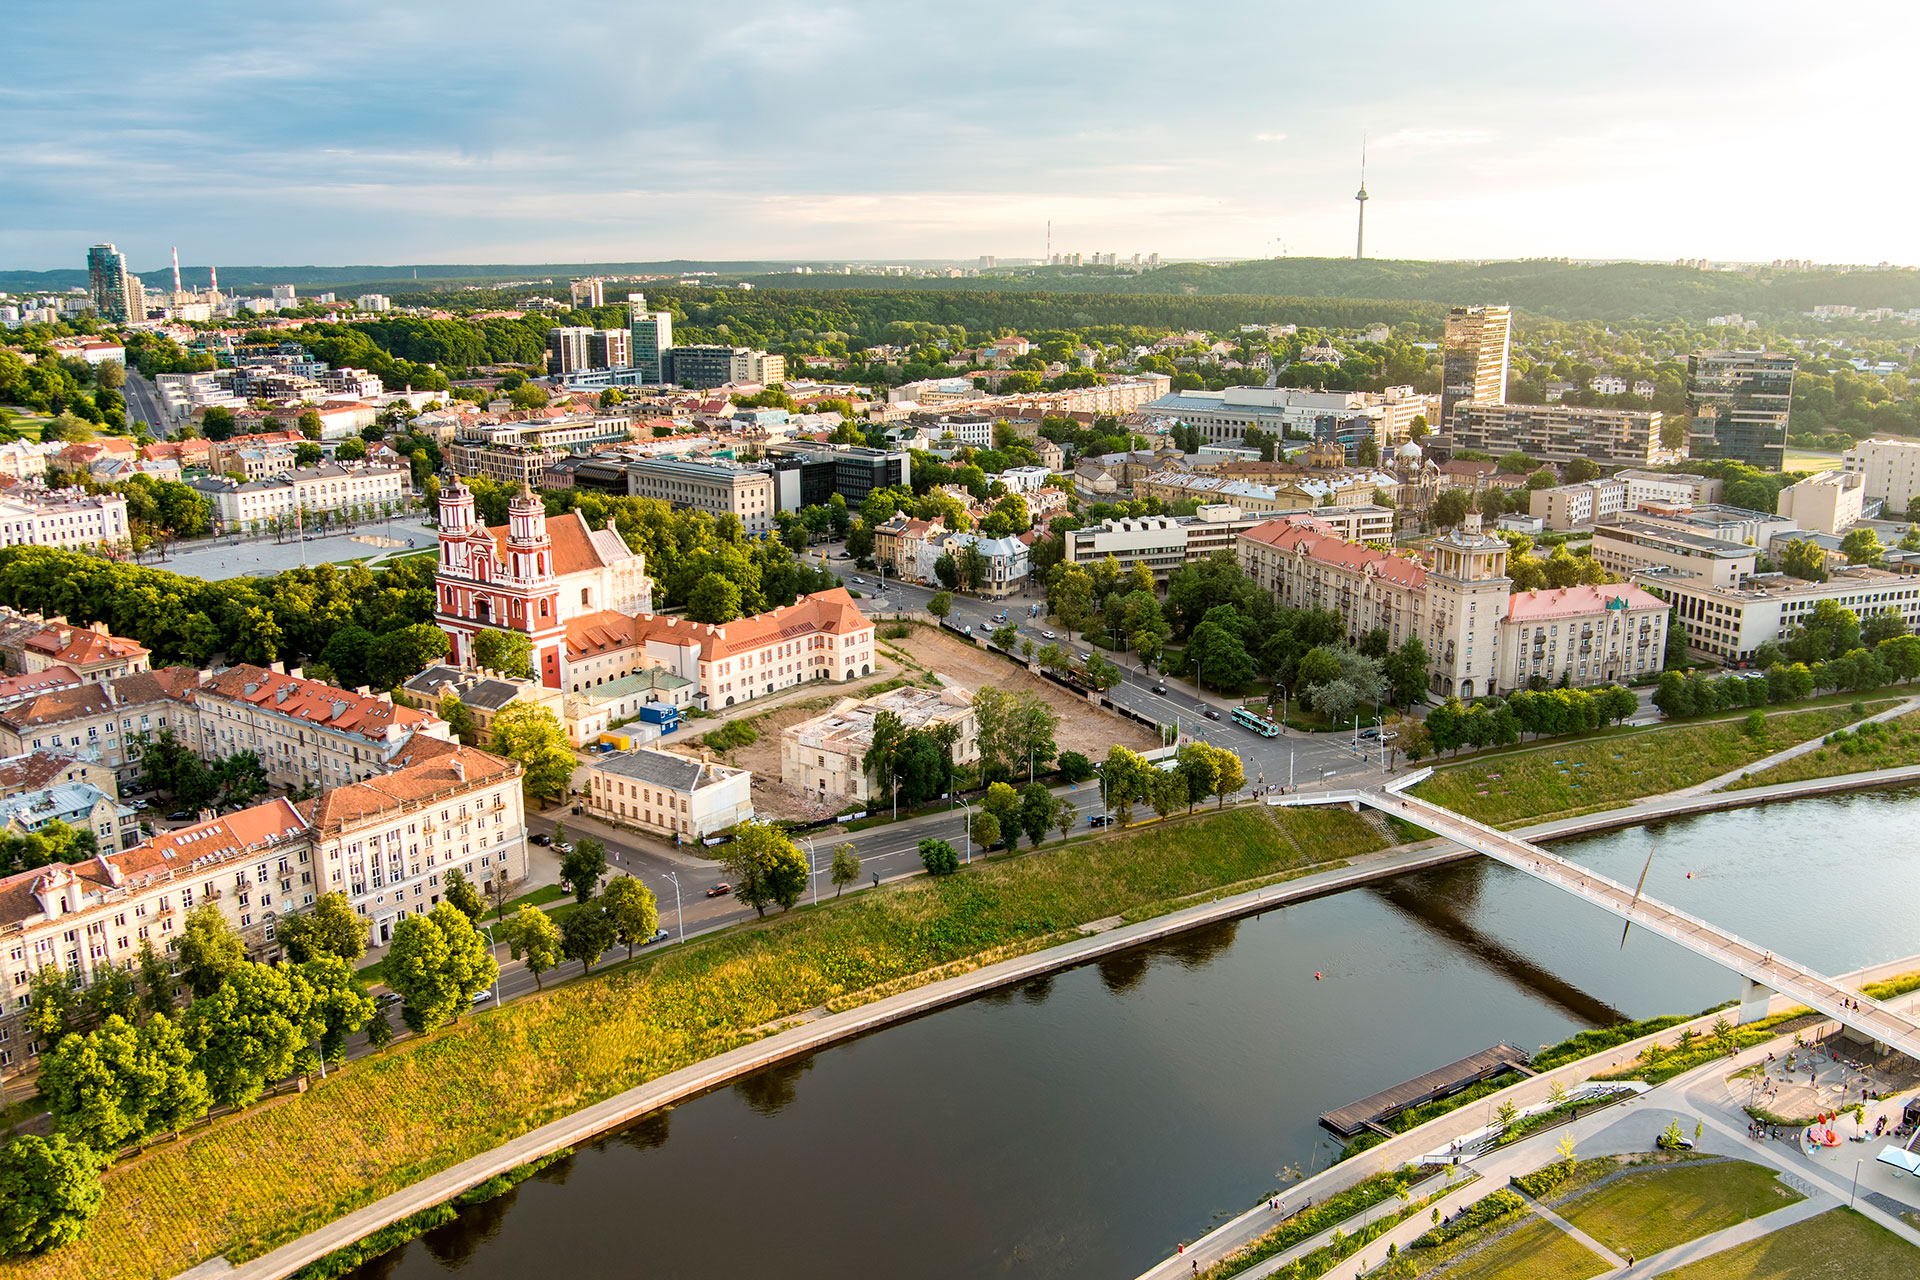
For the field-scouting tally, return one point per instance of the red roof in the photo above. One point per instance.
(831, 612)
(1563, 602)
(1307, 536)
(318, 703)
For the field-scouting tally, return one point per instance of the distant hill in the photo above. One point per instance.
(1614, 292)
(429, 275)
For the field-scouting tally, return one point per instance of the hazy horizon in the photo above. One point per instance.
(497, 133)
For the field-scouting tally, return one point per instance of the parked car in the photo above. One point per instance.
(541, 838)
(481, 997)
(178, 815)
(720, 890)
(140, 804)
(561, 846)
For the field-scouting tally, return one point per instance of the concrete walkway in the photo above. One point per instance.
(1578, 1236)
(1739, 1233)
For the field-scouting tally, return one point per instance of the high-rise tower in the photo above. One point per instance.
(1360, 240)
(107, 281)
(1474, 358)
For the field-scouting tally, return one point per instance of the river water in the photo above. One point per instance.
(1083, 1124)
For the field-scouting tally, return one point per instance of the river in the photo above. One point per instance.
(1081, 1125)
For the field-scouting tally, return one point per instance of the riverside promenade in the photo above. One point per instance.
(810, 1031)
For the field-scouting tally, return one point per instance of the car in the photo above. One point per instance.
(659, 935)
(860, 582)
(178, 815)
(561, 846)
(1097, 819)
(1211, 713)
(541, 838)
(1367, 735)
(1160, 689)
(140, 804)
(1047, 635)
(481, 997)
(720, 890)
(388, 999)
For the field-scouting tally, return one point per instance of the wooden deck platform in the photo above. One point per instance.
(1373, 1112)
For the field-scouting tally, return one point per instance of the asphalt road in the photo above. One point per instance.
(143, 404)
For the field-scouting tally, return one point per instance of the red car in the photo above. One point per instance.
(720, 890)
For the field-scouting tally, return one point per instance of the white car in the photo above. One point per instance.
(481, 997)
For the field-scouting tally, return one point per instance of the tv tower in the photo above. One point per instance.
(1360, 240)
(176, 271)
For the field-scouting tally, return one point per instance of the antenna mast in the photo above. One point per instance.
(1360, 239)
(176, 269)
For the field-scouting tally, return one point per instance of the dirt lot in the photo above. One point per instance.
(1083, 728)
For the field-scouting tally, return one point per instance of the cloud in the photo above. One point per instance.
(1269, 137)
(1429, 139)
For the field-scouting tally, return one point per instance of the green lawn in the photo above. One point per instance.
(1876, 747)
(389, 1120)
(25, 423)
(1535, 1250)
(1810, 460)
(1836, 1245)
(1654, 1209)
(1602, 772)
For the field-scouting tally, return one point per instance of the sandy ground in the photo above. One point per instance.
(1083, 728)
(771, 797)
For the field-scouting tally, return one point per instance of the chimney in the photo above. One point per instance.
(278, 668)
(296, 673)
(459, 768)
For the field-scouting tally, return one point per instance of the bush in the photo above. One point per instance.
(731, 736)
(938, 857)
(1075, 767)
(1542, 1183)
(1500, 1204)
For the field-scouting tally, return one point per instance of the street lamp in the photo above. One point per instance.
(488, 930)
(678, 919)
(813, 871)
(966, 841)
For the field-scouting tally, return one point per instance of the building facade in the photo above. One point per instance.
(1559, 433)
(1725, 624)
(1627, 545)
(1830, 502)
(1474, 358)
(649, 338)
(1583, 636)
(826, 756)
(1571, 506)
(717, 487)
(1737, 406)
(65, 518)
(667, 795)
(530, 576)
(306, 492)
(306, 734)
(1889, 470)
(110, 287)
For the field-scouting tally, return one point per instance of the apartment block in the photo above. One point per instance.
(67, 518)
(1890, 470)
(307, 734)
(1474, 358)
(1830, 502)
(1559, 433)
(1573, 506)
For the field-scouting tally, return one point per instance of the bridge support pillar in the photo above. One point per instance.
(1753, 1001)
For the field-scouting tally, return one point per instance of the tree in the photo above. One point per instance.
(1580, 469)
(1862, 545)
(1013, 729)
(1036, 812)
(306, 453)
(1199, 767)
(49, 1192)
(883, 751)
(94, 1087)
(586, 934)
(941, 606)
(1128, 780)
(437, 963)
(508, 652)
(1075, 767)
(534, 939)
(1229, 775)
(308, 423)
(1406, 672)
(1878, 628)
(938, 857)
(986, 831)
(157, 980)
(1002, 802)
(350, 450)
(1167, 791)
(340, 1004)
(460, 719)
(584, 868)
(1450, 507)
(330, 928)
(1676, 654)
(846, 867)
(532, 736)
(765, 867)
(528, 396)
(1065, 817)
(1218, 655)
(209, 949)
(631, 907)
(461, 893)
(1805, 559)
(250, 1031)
(713, 599)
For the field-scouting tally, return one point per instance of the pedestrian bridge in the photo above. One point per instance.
(1764, 971)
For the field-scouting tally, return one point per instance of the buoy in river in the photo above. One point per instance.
(1316, 975)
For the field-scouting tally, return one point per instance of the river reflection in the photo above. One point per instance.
(1082, 1125)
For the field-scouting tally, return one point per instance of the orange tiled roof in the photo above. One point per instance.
(310, 700)
(82, 646)
(574, 548)
(1315, 540)
(831, 612)
(433, 768)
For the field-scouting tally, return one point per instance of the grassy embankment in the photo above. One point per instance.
(1873, 746)
(1567, 779)
(245, 1184)
(1836, 1245)
(1649, 1210)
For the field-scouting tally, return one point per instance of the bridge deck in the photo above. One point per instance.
(1870, 1019)
(1422, 1089)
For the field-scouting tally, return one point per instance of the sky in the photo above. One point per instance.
(485, 131)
